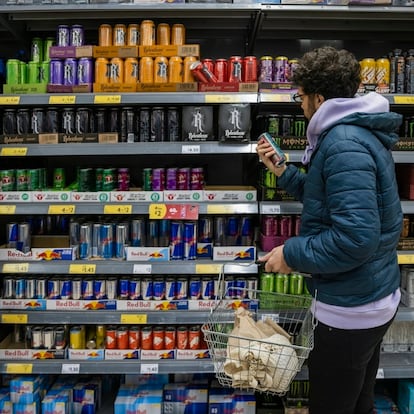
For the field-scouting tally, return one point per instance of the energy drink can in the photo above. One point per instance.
(207, 288)
(65, 288)
(147, 33)
(82, 120)
(105, 35)
(8, 180)
(279, 158)
(77, 288)
(183, 178)
(68, 121)
(190, 241)
(23, 237)
(112, 288)
(281, 284)
(77, 37)
(100, 120)
(12, 71)
(147, 179)
(134, 290)
(30, 288)
(38, 121)
(85, 71)
(59, 178)
(280, 69)
(175, 69)
(181, 288)
(123, 179)
(170, 337)
(41, 288)
(146, 338)
(134, 337)
(152, 233)
(249, 69)
(147, 291)
(119, 35)
(63, 35)
(9, 122)
(37, 337)
(194, 288)
(221, 70)
(178, 34)
(171, 179)
(33, 72)
(133, 35)
(146, 69)
(86, 179)
(176, 241)
(163, 34)
(187, 74)
(158, 179)
(251, 287)
(47, 44)
(99, 288)
(368, 71)
(37, 50)
(87, 289)
(158, 132)
(102, 70)
(267, 282)
(286, 226)
(121, 237)
(60, 337)
(295, 284)
(114, 120)
(70, 72)
(164, 232)
(382, 73)
(205, 229)
(138, 232)
(201, 73)
(9, 287)
(182, 337)
(194, 337)
(266, 69)
(159, 288)
(107, 240)
(170, 288)
(299, 126)
(52, 120)
(122, 335)
(110, 337)
(235, 69)
(123, 287)
(20, 285)
(48, 337)
(173, 125)
(197, 178)
(44, 72)
(109, 179)
(12, 235)
(56, 72)
(53, 289)
(116, 70)
(158, 337)
(127, 125)
(131, 73)
(144, 125)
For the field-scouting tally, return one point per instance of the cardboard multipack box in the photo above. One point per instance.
(169, 50)
(189, 397)
(115, 51)
(63, 52)
(245, 87)
(84, 88)
(166, 87)
(115, 87)
(24, 88)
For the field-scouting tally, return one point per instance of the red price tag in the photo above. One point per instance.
(174, 211)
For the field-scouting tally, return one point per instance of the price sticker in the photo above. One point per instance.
(173, 211)
(202, 269)
(15, 267)
(398, 99)
(276, 97)
(149, 369)
(107, 99)
(13, 152)
(62, 209)
(405, 258)
(62, 99)
(271, 209)
(87, 269)
(380, 373)
(118, 209)
(134, 318)
(9, 209)
(14, 318)
(190, 149)
(231, 98)
(70, 369)
(9, 100)
(144, 269)
(221, 208)
(19, 368)
(157, 211)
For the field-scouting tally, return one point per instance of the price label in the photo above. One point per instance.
(15, 267)
(14, 318)
(149, 369)
(231, 98)
(87, 269)
(107, 99)
(190, 149)
(9, 100)
(276, 97)
(202, 269)
(19, 368)
(62, 209)
(134, 318)
(70, 368)
(139, 269)
(398, 99)
(173, 211)
(271, 209)
(405, 258)
(13, 152)
(118, 209)
(380, 373)
(157, 211)
(9, 209)
(221, 208)
(62, 99)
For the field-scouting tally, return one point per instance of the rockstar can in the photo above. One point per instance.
(70, 72)
(249, 69)
(56, 72)
(76, 35)
(119, 35)
(235, 69)
(63, 35)
(85, 71)
(116, 70)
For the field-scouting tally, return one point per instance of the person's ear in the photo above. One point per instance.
(319, 99)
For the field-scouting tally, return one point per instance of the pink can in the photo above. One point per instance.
(197, 178)
(183, 179)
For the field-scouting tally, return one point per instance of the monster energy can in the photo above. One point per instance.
(273, 125)
(299, 126)
(267, 282)
(281, 283)
(295, 284)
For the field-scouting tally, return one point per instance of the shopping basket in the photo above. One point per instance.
(267, 364)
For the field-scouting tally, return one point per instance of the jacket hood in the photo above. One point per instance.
(370, 111)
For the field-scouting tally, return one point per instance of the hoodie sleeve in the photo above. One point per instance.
(293, 180)
(351, 232)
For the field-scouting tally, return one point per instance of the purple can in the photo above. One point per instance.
(76, 35)
(281, 69)
(171, 182)
(70, 72)
(85, 70)
(176, 241)
(63, 35)
(197, 178)
(183, 179)
(158, 179)
(158, 288)
(56, 72)
(286, 226)
(266, 69)
(190, 241)
(123, 179)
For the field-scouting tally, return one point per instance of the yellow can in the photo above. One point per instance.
(101, 70)
(178, 34)
(131, 70)
(105, 35)
(147, 33)
(163, 34)
(133, 35)
(100, 336)
(146, 69)
(382, 72)
(175, 69)
(160, 69)
(77, 337)
(367, 71)
(187, 74)
(116, 70)
(119, 35)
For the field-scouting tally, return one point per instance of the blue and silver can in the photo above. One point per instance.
(205, 229)
(123, 287)
(112, 288)
(77, 288)
(20, 288)
(232, 231)
(170, 288)
(70, 72)
(181, 288)
(66, 288)
(190, 241)
(85, 241)
(158, 288)
(176, 241)
(195, 288)
(120, 241)
(41, 287)
(207, 287)
(164, 233)
(87, 289)
(53, 289)
(138, 232)
(96, 240)
(99, 288)
(134, 288)
(23, 238)
(107, 240)
(12, 235)
(9, 287)
(219, 231)
(147, 291)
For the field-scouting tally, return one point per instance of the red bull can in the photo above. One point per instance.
(170, 288)
(137, 232)
(121, 241)
(240, 286)
(20, 288)
(99, 288)
(147, 288)
(65, 288)
(41, 288)
(134, 289)
(87, 289)
(190, 241)
(207, 287)
(232, 231)
(158, 288)
(195, 288)
(229, 287)
(176, 241)
(53, 289)
(123, 287)
(181, 288)
(9, 287)
(85, 238)
(12, 235)
(77, 288)
(107, 240)
(112, 288)
(205, 229)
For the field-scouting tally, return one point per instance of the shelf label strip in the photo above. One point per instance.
(88, 269)
(138, 318)
(13, 368)
(15, 267)
(8, 209)
(13, 152)
(14, 318)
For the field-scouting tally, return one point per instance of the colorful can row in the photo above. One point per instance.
(279, 69)
(32, 72)
(173, 178)
(71, 71)
(281, 283)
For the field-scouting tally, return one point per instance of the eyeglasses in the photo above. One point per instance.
(297, 97)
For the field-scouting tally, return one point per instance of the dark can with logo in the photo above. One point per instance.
(70, 72)
(183, 178)
(82, 121)
(38, 121)
(9, 122)
(113, 120)
(235, 69)
(144, 125)
(68, 121)
(86, 179)
(56, 72)
(157, 124)
(173, 125)
(52, 120)
(299, 126)
(85, 70)
(287, 125)
(109, 179)
(197, 178)
(22, 121)
(100, 120)
(127, 125)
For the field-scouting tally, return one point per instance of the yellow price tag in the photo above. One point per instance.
(89, 269)
(107, 99)
(14, 318)
(134, 318)
(231, 98)
(276, 97)
(405, 258)
(62, 209)
(202, 269)
(14, 151)
(62, 99)
(15, 267)
(9, 209)
(221, 208)
(399, 99)
(157, 211)
(9, 100)
(118, 209)
(19, 368)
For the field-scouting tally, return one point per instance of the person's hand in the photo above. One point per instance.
(274, 261)
(265, 152)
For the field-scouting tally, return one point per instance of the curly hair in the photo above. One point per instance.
(329, 72)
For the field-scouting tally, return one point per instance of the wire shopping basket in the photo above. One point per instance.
(261, 349)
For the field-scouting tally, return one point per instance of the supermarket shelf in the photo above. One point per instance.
(403, 157)
(280, 207)
(123, 267)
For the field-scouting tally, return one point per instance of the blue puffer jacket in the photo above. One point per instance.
(351, 217)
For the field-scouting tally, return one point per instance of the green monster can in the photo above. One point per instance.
(58, 179)
(13, 72)
(281, 283)
(33, 179)
(42, 178)
(269, 179)
(86, 179)
(295, 284)
(109, 179)
(267, 282)
(147, 179)
(8, 180)
(21, 180)
(33, 72)
(99, 179)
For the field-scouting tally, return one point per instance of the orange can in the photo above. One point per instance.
(116, 70)
(105, 35)
(110, 337)
(158, 334)
(160, 69)
(382, 72)
(163, 34)
(131, 70)
(182, 337)
(101, 70)
(146, 337)
(146, 69)
(178, 34)
(147, 33)
(367, 71)
(175, 69)
(119, 35)
(194, 337)
(170, 337)
(122, 337)
(133, 338)
(133, 35)
(187, 74)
